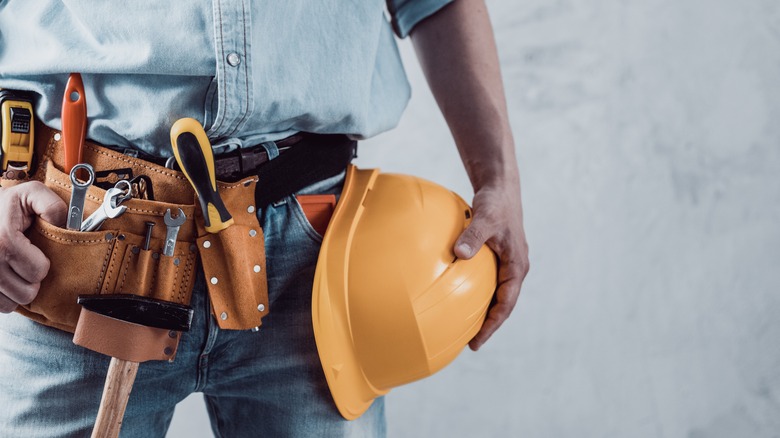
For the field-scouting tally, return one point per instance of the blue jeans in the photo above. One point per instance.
(267, 383)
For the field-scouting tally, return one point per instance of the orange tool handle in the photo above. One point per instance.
(74, 120)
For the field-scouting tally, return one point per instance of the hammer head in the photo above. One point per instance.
(148, 312)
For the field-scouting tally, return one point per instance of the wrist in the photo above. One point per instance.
(491, 164)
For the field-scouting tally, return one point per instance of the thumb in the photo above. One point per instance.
(37, 199)
(472, 238)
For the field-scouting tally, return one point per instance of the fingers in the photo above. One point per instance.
(512, 270)
(505, 299)
(15, 290)
(473, 237)
(22, 268)
(22, 265)
(6, 304)
(497, 222)
(37, 199)
(26, 260)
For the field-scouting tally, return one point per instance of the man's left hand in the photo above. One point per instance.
(498, 221)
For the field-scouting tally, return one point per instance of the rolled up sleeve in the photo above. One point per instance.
(405, 14)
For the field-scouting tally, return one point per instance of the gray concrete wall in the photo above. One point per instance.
(648, 137)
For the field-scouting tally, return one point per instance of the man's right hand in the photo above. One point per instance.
(22, 265)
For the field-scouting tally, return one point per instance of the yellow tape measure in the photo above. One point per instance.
(17, 133)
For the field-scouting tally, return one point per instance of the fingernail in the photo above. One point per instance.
(465, 248)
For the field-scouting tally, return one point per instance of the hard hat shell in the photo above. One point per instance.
(391, 303)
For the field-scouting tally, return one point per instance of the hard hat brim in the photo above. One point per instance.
(351, 391)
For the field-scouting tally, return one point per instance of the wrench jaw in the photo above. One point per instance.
(127, 193)
(172, 225)
(78, 195)
(178, 221)
(108, 210)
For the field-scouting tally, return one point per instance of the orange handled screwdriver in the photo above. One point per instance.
(74, 120)
(192, 150)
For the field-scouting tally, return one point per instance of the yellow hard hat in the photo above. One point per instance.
(391, 304)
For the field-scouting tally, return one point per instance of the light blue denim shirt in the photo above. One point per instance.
(250, 71)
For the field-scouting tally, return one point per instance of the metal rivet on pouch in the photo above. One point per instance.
(193, 247)
(206, 244)
(261, 307)
(172, 334)
(250, 209)
(257, 268)
(136, 250)
(168, 351)
(109, 236)
(121, 237)
(57, 136)
(252, 233)
(223, 316)
(176, 261)
(155, 255)
(214, 280)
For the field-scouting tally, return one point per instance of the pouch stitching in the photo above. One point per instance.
(67, 187)
(107, 279)
(61, 239)
(138, 163)
(186, 278)
(175, 273)
(105, 263)
(237, 185)
(123, 268)
(126, 267)
(155, 271)
(154, 212)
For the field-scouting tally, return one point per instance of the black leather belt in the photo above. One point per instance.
(303, 159)
(238, 164)
(314, 158)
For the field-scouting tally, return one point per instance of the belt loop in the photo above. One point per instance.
(271, 149)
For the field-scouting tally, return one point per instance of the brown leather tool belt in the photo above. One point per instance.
(124, 257)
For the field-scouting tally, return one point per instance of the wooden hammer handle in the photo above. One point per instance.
(116, 392)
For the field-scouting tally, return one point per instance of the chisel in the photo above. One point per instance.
(192, 150)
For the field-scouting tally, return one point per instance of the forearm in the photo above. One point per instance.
(458, 55)
(457, 52)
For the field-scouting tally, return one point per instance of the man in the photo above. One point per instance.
(251, 74)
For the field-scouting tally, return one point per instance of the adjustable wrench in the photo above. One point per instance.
(109, 209)
(78, 195)
(172, 230)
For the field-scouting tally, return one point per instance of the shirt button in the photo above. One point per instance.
(233, 59)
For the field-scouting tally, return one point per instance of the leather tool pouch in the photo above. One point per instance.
(114, 261)
(234, 261)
